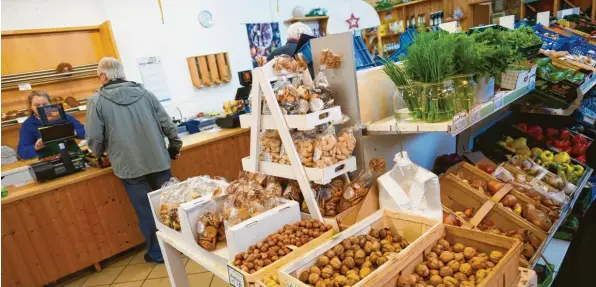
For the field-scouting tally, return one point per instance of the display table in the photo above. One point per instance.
(53, 229)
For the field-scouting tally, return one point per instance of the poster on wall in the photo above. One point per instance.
(263, 38)
(154, 77)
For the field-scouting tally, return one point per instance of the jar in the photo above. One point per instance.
(438, 101)
(407, 97)
(464, 87)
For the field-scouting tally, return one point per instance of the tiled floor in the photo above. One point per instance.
(130, 270)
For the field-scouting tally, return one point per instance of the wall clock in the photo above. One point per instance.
(206, 19)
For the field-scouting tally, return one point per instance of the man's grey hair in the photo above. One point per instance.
(297, 29)
(112, 68)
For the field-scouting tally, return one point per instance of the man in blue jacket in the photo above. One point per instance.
(130, 124)
(30, 144)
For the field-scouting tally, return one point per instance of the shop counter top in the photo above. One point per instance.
(189, 142)
(56, 228)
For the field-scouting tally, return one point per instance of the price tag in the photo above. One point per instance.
(589, 120)
(235, 278)
(532, 83)
(499, 101)
(24, 87)
(82, 108)
(460, 122)
(475, 114)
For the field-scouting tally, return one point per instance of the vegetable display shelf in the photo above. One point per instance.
(459, 123)
(300, 122)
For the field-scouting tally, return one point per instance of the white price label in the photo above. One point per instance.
(499, 101)
(460, 122)
(589, 120)
(24, 87)
(83, 108)
(235, 278)
(475, 114)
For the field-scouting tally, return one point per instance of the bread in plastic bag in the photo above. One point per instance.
(301, 63)
(284, 64)
(346, 143)
(356, 190)
(305, 145)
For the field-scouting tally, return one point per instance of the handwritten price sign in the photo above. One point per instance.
(236, 279)
(460, 122)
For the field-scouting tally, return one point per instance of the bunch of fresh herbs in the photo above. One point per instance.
(431, 57)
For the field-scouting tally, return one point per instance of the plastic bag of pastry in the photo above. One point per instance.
(321, 94)
(325, 200)
(273, 190)
(284, 64)
(270, 146)
(325, 147)
(356, 191)
(301, 62)
(305, 144)
(207, 185)
(292, 191)
(208, 226)
(329, 59)
(346, 143)
(287, 96)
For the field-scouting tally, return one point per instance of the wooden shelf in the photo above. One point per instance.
(403, 5)
(298, 19)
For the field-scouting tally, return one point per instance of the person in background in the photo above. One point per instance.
(130, 124)
(30, 144)
(294, 42)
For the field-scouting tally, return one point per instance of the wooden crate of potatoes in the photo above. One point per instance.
(361, 252)
(505, 195)
(454, 256)
(478, 212)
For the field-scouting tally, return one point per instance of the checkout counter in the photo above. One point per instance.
(56, 228)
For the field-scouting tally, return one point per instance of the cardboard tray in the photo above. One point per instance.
(457, 196)
(504, 274)
(413, 228)
(300, 122)
(317, 175)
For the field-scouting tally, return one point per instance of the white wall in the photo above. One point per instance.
(139, 32)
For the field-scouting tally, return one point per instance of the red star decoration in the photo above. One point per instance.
(353, 21)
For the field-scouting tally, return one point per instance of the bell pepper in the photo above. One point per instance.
(565, 134)
(550, 132)
(522, 127)
(547, 156)
(578, 170)
(562, 144)
(534, 131)
(579, 139)
(582, 158)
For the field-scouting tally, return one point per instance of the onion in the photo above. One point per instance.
(509, 200)
(450, 220)
(494, 186)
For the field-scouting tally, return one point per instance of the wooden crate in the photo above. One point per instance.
(457, 196)
(504, 274)
(272, 268)
(413, 228)
(470, 170)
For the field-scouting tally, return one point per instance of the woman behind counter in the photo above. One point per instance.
(29, 138)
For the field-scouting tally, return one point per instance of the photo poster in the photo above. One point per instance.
(263, 38)
(154, 77)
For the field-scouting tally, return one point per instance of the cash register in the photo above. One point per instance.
(61, 155)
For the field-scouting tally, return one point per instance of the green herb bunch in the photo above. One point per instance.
(431, 57)
(397, 75)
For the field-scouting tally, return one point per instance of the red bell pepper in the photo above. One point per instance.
(581, 158)
(579, 139)
(566, 149)
(550, 132)
(522, 127)
(562, 144)
(565, 134)
(540, 137)
(534, 131)
(583, 148)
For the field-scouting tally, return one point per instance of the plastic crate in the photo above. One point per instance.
(549, 43)
(306, 51)
(361, 55)
(581, 47)
(405, 41)
(363, 58)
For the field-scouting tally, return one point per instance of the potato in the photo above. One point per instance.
(458, 247)
(469, 252)
(466, 269)
(445, 271)
(454, 264)
(323, 261)
(446, 256)
(422, 270)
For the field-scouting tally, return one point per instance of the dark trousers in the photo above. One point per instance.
(137, 190)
